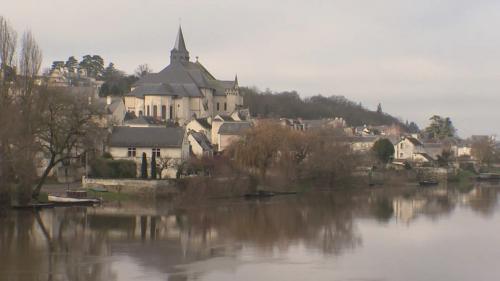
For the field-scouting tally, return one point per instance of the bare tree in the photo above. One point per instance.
(24, 144)
(30, 61)
(8, 39)
(142, 70)
(67, 128)
(483, 150)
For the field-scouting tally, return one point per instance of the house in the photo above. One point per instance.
(229, 132)
(114, 110)
(183, 90)
(412, 149)
(201, 125)
(144, 121)
(407, 147)
(363, 144)
(312, 124)
(165, 143)
(199, 145)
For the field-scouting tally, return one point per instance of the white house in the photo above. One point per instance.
(199, 144)
(407, 147)
(412, 149)
(183, 90)
(229, 132)
(165, 143)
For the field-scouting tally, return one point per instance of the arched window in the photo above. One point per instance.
(217, 106)
(163, 112)
(171, 113)
(147, 111)
(155, 111)
(225, 106)
(140, 113)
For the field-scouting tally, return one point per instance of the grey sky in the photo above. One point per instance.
(418, 57)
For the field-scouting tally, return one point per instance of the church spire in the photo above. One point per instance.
(179, 52)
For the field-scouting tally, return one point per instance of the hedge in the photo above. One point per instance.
(114, 169)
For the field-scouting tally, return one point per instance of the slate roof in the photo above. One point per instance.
(146, 137)
(225, 117)
(426, 156)
(143, 120)
(414, 141)
(204, 123)
(234, 128)
(180, 78)
(202, 140)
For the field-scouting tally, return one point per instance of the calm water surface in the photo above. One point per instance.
(384, 234)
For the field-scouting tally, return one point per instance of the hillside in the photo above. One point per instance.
(291, 105)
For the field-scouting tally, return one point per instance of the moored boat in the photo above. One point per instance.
(61, 200)
(488, 177)
(428, 182)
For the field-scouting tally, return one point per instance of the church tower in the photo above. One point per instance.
(179, 53)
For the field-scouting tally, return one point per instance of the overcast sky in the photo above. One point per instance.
(418, 57)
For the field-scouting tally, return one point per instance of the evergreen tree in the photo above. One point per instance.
(384, 150)
(57, 65)
(93, 65)
(440, 128)
(153, 166)
(144, 166)
(71, 64)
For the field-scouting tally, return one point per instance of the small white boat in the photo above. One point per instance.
(69, 200)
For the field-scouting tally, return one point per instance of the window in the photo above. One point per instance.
(217, 106)
(171, 113)
(401, 146)
(131, 152)
(155, 111)
(147, 111)
(225, 106)
(156, 152)
(163, 112)
(400, 155)
(140, 113)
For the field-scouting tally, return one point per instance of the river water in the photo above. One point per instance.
(439, 233)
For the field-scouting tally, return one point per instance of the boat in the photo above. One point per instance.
(428, 182)
(62, 200)
(488, 177)
(265, 193)
(259, 194)
(34, 206)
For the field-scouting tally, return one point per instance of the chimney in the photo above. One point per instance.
(108, 100)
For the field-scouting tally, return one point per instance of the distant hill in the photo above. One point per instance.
(291, 105)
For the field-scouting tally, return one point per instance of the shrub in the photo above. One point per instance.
(115, 169)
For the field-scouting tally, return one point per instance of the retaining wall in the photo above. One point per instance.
(166, 186)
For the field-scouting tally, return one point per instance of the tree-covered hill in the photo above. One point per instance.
(291, 105)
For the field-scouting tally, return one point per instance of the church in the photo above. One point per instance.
(183, 91)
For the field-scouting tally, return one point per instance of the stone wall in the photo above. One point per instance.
(133, 186)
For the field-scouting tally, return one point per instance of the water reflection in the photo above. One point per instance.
(160, 242)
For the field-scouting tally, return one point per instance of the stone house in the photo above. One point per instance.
(130, 143)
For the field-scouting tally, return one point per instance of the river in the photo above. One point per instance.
(438, 233)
